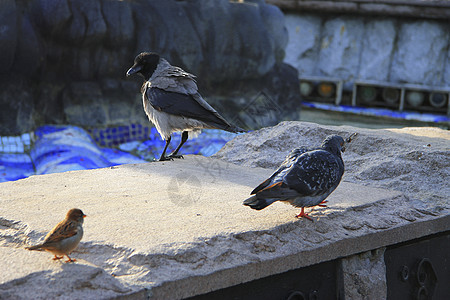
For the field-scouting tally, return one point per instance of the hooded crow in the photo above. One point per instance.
(304, 179)
(172, 102)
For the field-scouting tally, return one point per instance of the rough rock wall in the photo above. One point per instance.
(371, 48)
(65, 60)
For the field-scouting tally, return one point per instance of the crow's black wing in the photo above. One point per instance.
(185, 105)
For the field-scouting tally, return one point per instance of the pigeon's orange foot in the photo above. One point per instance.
(57, 257)
(302, 214)
(322, 204)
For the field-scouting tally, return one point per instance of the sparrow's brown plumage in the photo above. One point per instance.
(65, 236)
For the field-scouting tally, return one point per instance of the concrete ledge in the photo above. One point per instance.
(178, 229)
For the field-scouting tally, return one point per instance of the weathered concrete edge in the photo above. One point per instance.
(201, 284)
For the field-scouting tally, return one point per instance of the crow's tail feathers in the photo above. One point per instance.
(258, 204)
(235, 129)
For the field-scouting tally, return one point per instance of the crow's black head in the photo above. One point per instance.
(144, 64)
(334, 143)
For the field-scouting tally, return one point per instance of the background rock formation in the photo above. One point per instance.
(64, 61)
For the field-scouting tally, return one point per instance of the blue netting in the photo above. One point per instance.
(69, 148)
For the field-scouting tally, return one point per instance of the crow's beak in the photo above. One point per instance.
(134, 69)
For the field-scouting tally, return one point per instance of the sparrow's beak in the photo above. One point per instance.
(133, 69)
(84, 216)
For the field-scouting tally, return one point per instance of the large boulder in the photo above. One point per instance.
(224, 43)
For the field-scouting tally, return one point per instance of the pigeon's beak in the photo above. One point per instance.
(133, 69)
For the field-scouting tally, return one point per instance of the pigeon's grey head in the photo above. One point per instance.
(144, 64)
(334, 144)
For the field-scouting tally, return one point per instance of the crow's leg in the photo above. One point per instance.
(184, 137)
(163, 155)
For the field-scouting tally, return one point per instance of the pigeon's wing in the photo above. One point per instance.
(279, 191)
(287, 163)
(185, 105)
(61, 231)
(314, 173)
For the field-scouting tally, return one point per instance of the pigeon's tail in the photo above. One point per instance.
(258, 204)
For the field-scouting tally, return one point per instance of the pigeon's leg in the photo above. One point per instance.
(322, 204)
(184, 137)
(163, 155)
(57, 257)
(302, 214)
(70, 259)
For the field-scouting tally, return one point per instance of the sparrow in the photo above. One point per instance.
(172, 102)
(304, 179)
(65, 236)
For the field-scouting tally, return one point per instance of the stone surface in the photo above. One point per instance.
(165, 226)
(302, 51)
(8, 34)
(378, 46)
(446, 75)
(418, 43)
(340, 48)
(364, 47)
(365, 275)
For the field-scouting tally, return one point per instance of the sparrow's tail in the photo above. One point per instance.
(258, 204)
(34, 247)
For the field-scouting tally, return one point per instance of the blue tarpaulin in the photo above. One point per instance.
(67, 148)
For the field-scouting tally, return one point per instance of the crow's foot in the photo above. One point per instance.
(176, 156)
(165, 158)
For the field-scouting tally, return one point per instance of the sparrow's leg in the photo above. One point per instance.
(70, 259)
(302, 214)
(184, 137)
(163, 155)
(57, 257)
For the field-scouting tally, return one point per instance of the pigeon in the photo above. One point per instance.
(172, 101)
(304, 179)
(65, 236)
